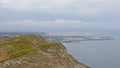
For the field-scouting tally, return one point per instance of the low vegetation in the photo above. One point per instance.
(22, 45)
(29, 51)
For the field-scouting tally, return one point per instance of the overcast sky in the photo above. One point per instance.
(59, 15)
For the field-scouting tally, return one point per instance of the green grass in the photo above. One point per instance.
(19, 46)
(21, 52)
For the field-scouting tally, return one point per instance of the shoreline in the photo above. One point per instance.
(72, 41)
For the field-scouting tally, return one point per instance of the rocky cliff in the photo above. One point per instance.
(32, 51)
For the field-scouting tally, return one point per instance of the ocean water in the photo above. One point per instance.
(97, 54)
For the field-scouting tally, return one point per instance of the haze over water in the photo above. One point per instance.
(97, 54)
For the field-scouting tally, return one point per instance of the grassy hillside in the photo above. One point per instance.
(31, 51)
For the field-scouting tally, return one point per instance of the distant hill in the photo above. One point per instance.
(33, 51)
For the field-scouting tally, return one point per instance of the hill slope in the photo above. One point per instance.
(31, 51)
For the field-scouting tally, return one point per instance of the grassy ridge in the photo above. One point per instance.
(22, 45)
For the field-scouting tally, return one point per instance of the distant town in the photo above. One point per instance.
(69, 38)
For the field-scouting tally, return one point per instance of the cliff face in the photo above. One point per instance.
(31, 51)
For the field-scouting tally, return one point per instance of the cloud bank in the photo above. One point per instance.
(56, 25)
(59, 14)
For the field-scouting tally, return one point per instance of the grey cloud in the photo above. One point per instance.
(73, 7)
(82, 7)
(50, 14)
(58, 24)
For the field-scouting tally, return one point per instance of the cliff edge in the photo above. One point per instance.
(33, 51)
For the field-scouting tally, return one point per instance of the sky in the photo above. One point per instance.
(59, 15)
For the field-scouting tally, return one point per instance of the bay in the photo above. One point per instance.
(97, 54)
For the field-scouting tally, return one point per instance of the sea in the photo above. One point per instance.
(97, 54)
